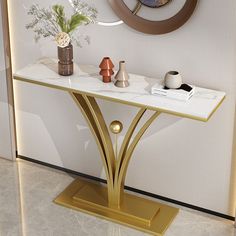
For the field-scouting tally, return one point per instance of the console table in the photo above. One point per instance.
(110, 201)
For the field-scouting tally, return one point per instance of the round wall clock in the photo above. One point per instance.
(131, 17)
(154, 3)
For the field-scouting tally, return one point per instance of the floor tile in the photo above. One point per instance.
(26, 209)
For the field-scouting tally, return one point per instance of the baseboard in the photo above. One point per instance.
(200, 209)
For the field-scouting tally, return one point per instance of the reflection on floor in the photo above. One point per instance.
(26, 209)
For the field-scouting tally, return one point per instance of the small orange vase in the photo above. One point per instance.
(106, 69)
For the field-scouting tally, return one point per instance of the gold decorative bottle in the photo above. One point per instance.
(122, 76)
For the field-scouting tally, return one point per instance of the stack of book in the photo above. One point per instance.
(184, 93)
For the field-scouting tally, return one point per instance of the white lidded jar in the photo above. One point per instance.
(173, 80)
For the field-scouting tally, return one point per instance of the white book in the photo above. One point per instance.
(184, 93)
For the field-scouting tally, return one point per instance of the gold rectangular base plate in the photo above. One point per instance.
(136, 212)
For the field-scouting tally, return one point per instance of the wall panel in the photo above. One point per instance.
(178, 158)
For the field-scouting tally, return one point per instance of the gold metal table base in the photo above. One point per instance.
(139, 213)
(111, 202)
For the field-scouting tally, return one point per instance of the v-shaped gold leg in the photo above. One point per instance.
(110, 201)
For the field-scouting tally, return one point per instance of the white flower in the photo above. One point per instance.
(63, 39)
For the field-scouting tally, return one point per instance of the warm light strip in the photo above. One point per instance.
(21, 200)
(110, 23)
(18, 168)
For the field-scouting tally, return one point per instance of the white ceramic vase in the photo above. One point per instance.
(173, 80)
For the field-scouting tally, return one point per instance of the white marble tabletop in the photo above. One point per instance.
(86, 80)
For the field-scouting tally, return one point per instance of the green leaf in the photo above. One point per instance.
(75, 21)
(60, 17)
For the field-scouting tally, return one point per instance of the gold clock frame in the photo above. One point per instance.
(153, 27)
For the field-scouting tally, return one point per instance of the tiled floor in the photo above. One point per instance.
(26, 208)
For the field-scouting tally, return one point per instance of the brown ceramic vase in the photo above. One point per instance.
(106, 69)
(65, 63)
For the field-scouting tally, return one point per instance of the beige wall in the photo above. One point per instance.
(178, 158)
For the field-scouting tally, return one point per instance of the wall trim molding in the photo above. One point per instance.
(166, 199)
